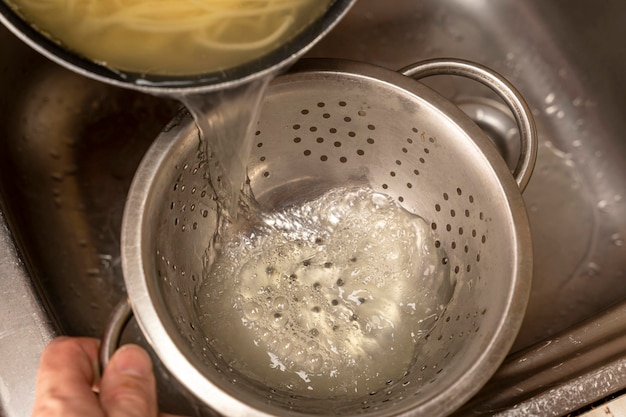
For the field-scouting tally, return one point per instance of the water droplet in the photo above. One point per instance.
(93, 271)
(593, 269)
(551, 109)
(57, 176)
(617, 239)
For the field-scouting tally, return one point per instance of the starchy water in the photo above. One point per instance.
(332, 297)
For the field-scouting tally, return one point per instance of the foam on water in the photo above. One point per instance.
(332, 297)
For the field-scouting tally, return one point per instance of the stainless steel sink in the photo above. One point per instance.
(69, 147)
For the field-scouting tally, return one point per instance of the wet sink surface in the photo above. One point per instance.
(69, 147)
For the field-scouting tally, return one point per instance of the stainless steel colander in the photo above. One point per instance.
(333, 123)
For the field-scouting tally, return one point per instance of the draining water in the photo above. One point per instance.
(225, 120)
(331, 297)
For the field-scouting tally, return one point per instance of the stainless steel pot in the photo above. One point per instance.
(267, 65)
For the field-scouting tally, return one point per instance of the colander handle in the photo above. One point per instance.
(507, 92)
(118, 320)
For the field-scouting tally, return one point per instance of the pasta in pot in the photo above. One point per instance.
(170, 37)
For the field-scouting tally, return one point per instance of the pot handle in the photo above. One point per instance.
(507, 92)
(118, 320)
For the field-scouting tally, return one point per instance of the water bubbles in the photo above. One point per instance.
(299, 356)
(617, 239)
(315, 362)
(280, 303)
(283, 347)
(322, 296)
(380, 200)
(279, 320)
(253, 311)
(312, 346)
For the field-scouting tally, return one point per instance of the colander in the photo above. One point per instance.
(327, 124)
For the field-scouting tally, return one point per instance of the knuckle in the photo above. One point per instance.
(62, 343)
(53, 405)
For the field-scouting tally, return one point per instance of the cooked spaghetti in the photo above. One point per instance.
(170, 37)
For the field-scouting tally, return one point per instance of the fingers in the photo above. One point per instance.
(68, 371)
(128, 387)
(66, 374)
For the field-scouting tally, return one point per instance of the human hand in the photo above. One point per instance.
(68, 383)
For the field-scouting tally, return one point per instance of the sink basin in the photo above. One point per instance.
(69, 147)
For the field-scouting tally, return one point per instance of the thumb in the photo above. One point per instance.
(128, 387)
